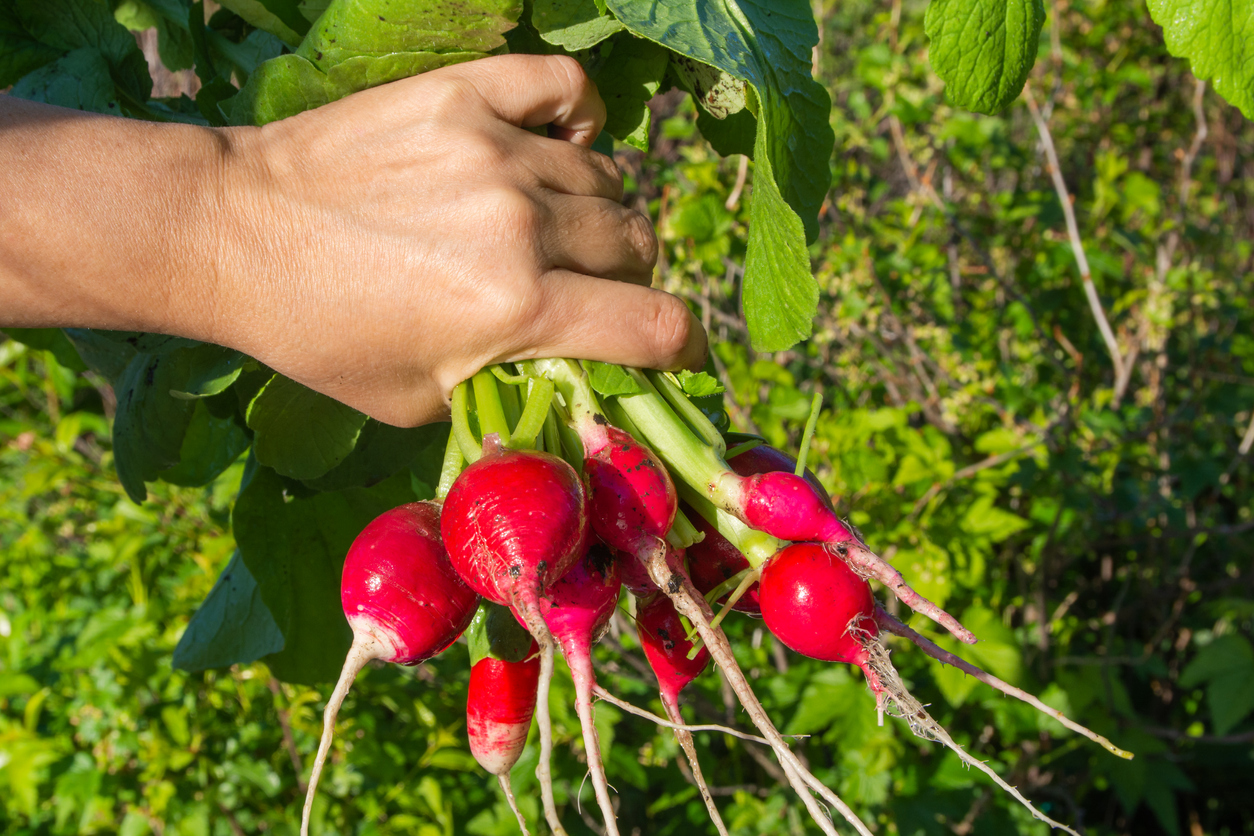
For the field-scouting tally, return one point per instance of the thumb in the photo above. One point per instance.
(531, 90)
(586, 318)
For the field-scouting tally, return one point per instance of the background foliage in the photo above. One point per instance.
(1094, 532)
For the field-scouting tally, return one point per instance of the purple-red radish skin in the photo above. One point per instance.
(666, 646)
(399, 585)
(633, 574)
(816, 605)
(500, 703)
(787, 506)
(631, 498)
(513, 523)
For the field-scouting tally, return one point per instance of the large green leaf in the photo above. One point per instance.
(290, 84)
(375, 28)
(295, 549)
(628, 77)
(495, 632)
(381, 450)
(149, 426)
(299, 432)
(984, 49)
(1227, 666)
(289, 27)
(1217, 36)
(210, 445)
(767, 45)
(78, 80)
(20, 52)
(572, 24)
(232, 625)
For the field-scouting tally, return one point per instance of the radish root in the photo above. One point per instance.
(508, 789)
(362, 651)
(870, 565)
(581, 670)
(544, 769)
(689, 603)
(690, 751)
(924, 727)
(664, 723)
(892, 625)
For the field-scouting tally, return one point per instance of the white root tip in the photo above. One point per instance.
(508, 789)
(925, 728)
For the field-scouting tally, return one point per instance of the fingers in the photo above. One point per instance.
(530, 90)
(599, 237)
(571, 169)
(593, 319)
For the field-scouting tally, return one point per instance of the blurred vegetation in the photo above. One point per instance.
(1096, 533)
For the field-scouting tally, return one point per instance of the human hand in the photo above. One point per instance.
(382, 248)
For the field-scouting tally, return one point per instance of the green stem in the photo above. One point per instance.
(552, 437)
(471, 447)
(726, 586)
(687, 457)
(683, 533)
(451, 468)
(750, 578)
(815, 406)
(573, 384)
(688, 410)
(510, 404)
(488, 405)
(502, 375)
(539, 404)
(743, 447)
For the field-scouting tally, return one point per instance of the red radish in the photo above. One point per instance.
(514, 522)
(577, 609)
(714, 559)
(634, 576)
(500, 703)
(818, 606)
(666, 646)
(403, 602)
(631, 496)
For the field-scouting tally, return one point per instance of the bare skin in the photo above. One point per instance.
(379, 249)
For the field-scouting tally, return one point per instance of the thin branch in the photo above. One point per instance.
(1248, 442)
(289, 741)
(1077, 245)
(741, 173)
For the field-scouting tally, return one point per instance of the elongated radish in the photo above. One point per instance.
(666, 647)
(514, 522)
(500, 702)
(403, 601)
(577, 609)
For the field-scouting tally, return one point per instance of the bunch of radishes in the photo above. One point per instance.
(550, 501)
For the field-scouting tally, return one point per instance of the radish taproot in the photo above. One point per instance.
(403, 601)
(577, 609)
(666, 646)
(514, 522)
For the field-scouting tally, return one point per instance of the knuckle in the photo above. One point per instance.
(643, 237)
(569, 70)
(670, 326)
(448, 95)
(519, 216)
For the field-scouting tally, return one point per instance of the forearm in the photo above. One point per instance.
(107, 222)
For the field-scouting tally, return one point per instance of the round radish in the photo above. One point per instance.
(818, 606)
(403, 602)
